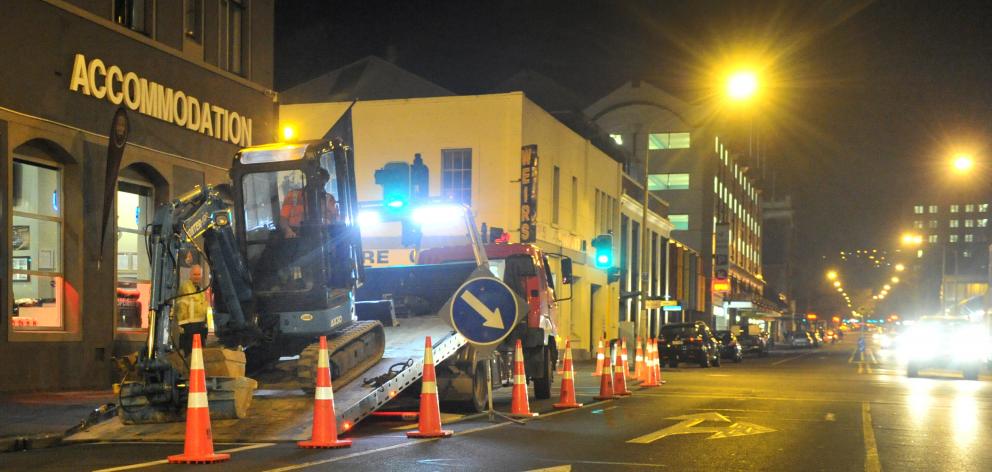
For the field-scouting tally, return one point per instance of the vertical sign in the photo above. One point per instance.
(528, 193)
(721, 256)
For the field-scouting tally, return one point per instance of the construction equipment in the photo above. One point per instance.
(284, 251)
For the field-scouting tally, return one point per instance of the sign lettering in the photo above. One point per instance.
(528, 194)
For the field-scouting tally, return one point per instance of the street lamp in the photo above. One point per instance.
(831, 275)
(742, 85)
(962, 163)
(900, 267)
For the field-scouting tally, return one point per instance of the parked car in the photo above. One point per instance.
(689, 342)
(730, 346)
(801, 339)
(755, 343)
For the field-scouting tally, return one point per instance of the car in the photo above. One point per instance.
(730, 347)
(801, 339)
(756, 343)
(944, 342)
(689, 342)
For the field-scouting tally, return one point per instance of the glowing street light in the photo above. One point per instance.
(831, 275)
(911, 239)
(742, 85)
(887, 287)
(894, 280)
(837, 283)
(900, 267)
(963, 163)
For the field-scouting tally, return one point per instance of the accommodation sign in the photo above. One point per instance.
(528, 193)
(96, 79)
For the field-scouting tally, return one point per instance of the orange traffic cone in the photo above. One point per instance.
(600, 359)
(568, 381)
(657, 365)
(649, 363)
(623, 357)
(199, 448)
(430, 413)
(620, 374)
(325, 427)
(520, 407)
(606, 384)
(639, 361)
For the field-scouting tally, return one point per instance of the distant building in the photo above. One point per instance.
(714, 204)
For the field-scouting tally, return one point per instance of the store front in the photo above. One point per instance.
(70, 305)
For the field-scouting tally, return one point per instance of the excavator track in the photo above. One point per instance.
(352, 352)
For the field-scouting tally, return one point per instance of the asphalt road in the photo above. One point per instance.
(818, 409)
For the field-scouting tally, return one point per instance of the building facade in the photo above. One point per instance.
(714, 205)
(195, 82)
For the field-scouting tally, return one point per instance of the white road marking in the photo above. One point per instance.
(850, 360)
(872, 464)
(631, 464)
(557, 468)
(166, 461)
(783, 361)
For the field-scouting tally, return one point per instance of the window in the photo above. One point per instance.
(983, 222)
(617, 138)
(134, 207)
(933, 209)
(668, 141)
(955, 208)
(456, 175)
(932, 224)
(668, 182)
(918, 224)
(555, 194)
(966, 254)
(919, 253)
(194, 20)
(953, 238)
(918, 210)
(954, 223)
(131, 13)
(933, 238)
(233, 26)
(969, 238)
(969, 208)
(36, 259)
(969, 223)
(575, 204)
(681, 222)
(983, 207)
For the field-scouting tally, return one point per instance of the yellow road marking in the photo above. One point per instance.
(166, 461)
(872, 464)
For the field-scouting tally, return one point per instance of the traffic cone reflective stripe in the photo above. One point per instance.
(652, 360)
(325, 427)
(567, 381)
(639, 361)
(620, 373)
(600, 359)
(606, 384)
(520, 406)
(199, 446)
(623, 357)
(429, 425)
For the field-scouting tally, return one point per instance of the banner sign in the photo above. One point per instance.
(528, 194)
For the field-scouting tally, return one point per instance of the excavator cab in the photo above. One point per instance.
(295, 212)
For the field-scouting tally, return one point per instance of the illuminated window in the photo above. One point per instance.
(969, 238)
(953, 238)
(918, 209)
(134, 207)
(36, 259)
(954, 223)
(456, 175)
(983, 222)
(955, 208)
(668, 182)
(919, 253)
(668, 141)
(966, 254)
(933, 238)
(932, 224)
(969, 223)
(983, 207)
(932, 209)
(681, 222)
(617, 138)
(969, 208)
(918, 224)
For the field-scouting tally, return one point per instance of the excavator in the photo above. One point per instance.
(284, 253)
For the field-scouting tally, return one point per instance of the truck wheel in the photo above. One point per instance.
(542, 386)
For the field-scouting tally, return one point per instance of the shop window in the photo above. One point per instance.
(134, 214)
(456, 175)
(36, 261)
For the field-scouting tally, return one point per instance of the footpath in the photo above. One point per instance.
(36, 420)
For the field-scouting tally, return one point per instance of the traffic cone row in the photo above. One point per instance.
(639, 361)
(520, 406)
(620, 373)
(199, 444)
(567, 381)
(430, 412)
(600, 359)
(325, 429)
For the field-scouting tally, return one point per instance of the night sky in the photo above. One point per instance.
(863, 102)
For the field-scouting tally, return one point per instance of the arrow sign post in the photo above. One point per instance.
(690, 425)
(484, 311)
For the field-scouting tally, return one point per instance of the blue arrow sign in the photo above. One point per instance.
(484, 310)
